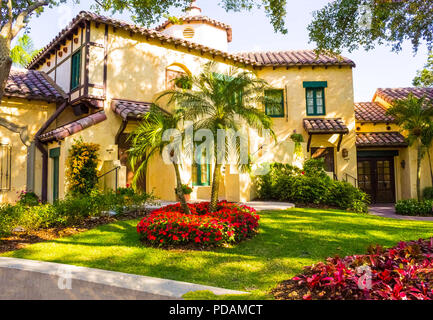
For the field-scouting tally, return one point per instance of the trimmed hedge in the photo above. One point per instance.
(413, 207)
(311, 185)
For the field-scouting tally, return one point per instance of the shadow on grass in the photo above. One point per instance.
(287, 241)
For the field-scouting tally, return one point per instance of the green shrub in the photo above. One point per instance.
(186, 189)
(427, 193)
(28, 199)
(311, 185)
(413, 207)
(69, 211)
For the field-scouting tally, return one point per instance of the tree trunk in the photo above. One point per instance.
(5, 64)
(179, 191)
(215, 188)
(418, 171)
(429, 162)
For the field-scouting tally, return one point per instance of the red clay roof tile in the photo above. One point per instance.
(31, 84)
(73, 127)
(371, 112)
(380, 139)
(325, 125)
(391, 94)
(296, 58)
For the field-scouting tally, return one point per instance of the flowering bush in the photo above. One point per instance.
(82, 162)
(168, 225)
(404, 272)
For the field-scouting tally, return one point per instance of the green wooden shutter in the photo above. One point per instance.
(75, 70)
(55, 154)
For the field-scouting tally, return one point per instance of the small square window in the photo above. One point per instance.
(274, 103)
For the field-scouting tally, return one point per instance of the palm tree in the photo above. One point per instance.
(413, 115)
(222, 101)
(23, 52)
(148, 139)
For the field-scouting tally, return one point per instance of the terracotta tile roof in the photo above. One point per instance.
(391, 94)
(71, 128)
(84, 16)
(130, 110)
(31, 84)
(325, 125)
(380, 139)
(371, 112)
(296, 58)
(283, 58)
(200, 18)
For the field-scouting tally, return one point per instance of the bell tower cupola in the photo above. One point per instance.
(198, 28)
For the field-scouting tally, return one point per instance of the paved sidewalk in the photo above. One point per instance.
(258, 205)
(387, 210)
(38, 280)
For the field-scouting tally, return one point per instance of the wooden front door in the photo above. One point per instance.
(376, 178)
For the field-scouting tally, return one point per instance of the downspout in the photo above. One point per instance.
(44, 152)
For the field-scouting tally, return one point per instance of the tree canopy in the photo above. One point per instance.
(351, 24)
(151, 11)
(424, 77)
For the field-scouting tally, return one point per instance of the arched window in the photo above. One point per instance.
(173, 73)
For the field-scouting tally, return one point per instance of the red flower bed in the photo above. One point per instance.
(169, 225)
(404, 272)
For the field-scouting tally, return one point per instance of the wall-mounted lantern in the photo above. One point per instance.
(345, 153)
(403, 164)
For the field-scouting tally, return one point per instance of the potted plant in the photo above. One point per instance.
(186, 189)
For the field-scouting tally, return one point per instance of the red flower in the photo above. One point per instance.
(231, 222)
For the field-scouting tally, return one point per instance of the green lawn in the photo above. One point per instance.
(288, 240)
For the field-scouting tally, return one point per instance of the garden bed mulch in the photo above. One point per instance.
(19, 240)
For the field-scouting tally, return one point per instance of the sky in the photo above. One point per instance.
(252, 31)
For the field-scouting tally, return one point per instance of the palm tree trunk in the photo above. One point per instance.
(215, 188)
(418, 171)
(429, 162)
(179, 191)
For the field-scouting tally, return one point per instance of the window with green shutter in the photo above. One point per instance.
(75, 70)
(201, 171)
(274, 107)
(315, 97)
(55, 155)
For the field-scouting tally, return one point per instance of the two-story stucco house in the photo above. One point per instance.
(110, 71)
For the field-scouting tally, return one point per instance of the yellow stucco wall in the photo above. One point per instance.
(405, 178)
(338, 104)
(22, 112)
(136, 70)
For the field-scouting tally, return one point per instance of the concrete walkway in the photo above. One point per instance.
(258, 205)
(387, 210)
(38, 280)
